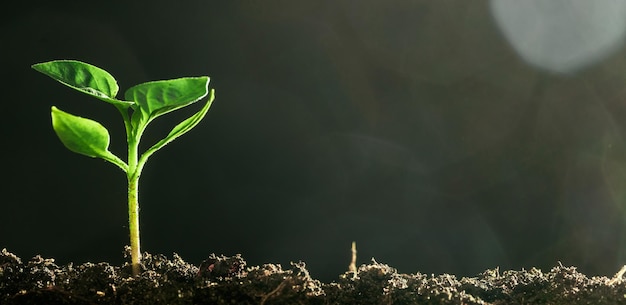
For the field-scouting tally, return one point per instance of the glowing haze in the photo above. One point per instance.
(562, 36)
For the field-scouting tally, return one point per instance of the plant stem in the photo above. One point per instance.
(133, 202)
(133, 222)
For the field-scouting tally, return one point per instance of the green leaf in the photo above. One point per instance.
(136, 119)
(83, 77)
(183, 127)
(84, 136)
(160, 97)
(192, 121)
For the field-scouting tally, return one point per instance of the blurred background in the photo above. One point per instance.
(441, 136)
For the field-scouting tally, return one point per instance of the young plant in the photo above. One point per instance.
(141, 104)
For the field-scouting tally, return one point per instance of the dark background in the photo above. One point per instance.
(418, 129)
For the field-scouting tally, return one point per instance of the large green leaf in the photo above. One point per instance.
(160, 97)
(83, 77)
(83, 136)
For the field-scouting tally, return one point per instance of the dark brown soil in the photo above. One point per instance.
(227, 280)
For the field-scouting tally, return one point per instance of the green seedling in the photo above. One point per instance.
(141, 104)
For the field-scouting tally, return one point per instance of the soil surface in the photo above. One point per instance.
(228, 280)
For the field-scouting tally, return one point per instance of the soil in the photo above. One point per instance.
(228, 280)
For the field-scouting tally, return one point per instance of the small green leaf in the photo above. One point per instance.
(83, 77)
(83, 136)
(184, 126)
(192, 121)
(160, 97)
(136, 119)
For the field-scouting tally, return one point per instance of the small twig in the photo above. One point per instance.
(267, 296)
(352, 266)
